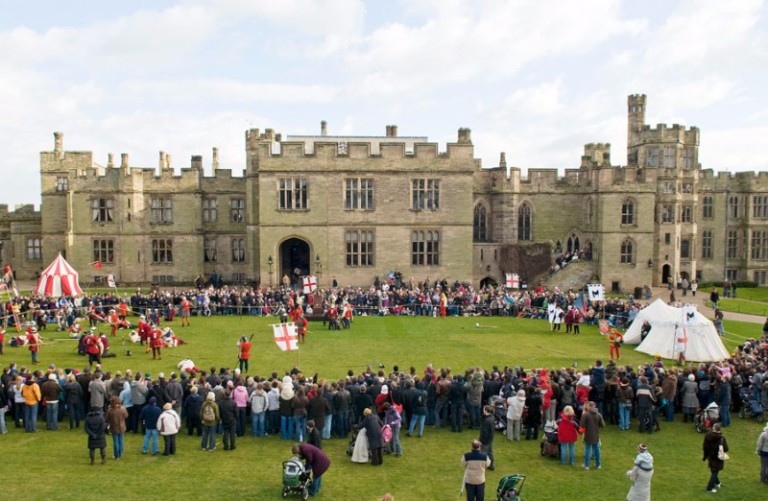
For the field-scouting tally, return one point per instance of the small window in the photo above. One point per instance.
(425, 194)
(210, 210)
(104, 251)
(628, 212)
(708, 208)
(425, 248)
(237, 210)
(706, 244)
(210, 251)
(62, 183)
(627, 255)
(162, 251)
(238, 250)
(524, 222)
(359, 248)
(34, 249)
(102, 210)
(161, 210)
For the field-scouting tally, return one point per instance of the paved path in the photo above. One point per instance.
(700, 300)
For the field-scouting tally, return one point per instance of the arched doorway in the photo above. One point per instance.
(294, 259)
(666, 273)
(488, 282)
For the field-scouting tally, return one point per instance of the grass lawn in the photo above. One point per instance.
(429, 468)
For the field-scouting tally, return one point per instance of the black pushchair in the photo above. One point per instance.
(705, 418)
(296, 479)
(509, 487)
(750, 407)
(549, 444)
(499, 414)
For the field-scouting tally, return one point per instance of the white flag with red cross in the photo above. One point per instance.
(286, 336)
(310, 284)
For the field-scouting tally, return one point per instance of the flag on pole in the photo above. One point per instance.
(689, 314)
(596, 292)
(310, 284)
(111, 281)
(578, 303)
(286, 336)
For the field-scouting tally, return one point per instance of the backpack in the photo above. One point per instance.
(209, 414)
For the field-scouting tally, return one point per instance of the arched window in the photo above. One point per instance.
(524, 220)
(480, 224)
(627, 254)
(628, 212)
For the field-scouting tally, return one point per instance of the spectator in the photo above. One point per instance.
(475, 463)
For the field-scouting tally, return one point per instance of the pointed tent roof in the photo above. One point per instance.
(58, 279)
(703, 344)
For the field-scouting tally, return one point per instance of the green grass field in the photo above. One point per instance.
(429, 468)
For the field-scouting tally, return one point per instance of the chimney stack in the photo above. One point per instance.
(110, 160)
(323, 128)
(58, 144)
(215, 159)
(503, 160)
(124, 161)
(196, 162)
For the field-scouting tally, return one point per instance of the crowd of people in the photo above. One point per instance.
(228, 403)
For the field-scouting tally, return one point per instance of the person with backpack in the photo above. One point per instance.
(210, 417)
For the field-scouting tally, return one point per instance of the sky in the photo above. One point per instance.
(535, 79)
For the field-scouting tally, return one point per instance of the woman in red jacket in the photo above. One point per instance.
(567, 434)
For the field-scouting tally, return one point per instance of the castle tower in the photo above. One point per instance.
(635, 124)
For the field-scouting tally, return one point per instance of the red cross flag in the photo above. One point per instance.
(286, 336)
(310, 284)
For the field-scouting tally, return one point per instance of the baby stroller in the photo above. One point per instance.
(386, 435)
(499, 414)
(509, 487)
(296, 479)
(749, 406)
(705, 418)
(351, 443)
(549, 444)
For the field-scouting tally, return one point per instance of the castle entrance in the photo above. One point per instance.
(666, 274)
(294, 259)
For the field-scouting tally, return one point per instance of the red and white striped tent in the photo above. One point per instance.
(59, 279)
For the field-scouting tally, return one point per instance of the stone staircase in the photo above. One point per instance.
(574, 276)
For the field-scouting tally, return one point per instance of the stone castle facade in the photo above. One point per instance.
(354, 208)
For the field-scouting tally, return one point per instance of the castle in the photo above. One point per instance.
(352, 208)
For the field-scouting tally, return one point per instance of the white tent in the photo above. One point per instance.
(58, 279)
(674, 330)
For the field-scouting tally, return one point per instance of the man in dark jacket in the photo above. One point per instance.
(192, 406)
(316, 461)
(457, 396)
(228, 410)
(148, 417)
(486, 434)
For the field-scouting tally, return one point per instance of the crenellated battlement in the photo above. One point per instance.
(266, 151)
(20, 210)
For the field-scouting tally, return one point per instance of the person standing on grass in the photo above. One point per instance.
(50, 391)
(762, 451)
(244, 353)
(184, 311)
(148, 417)
(316, 461)
(487, 431)
(228, 412)
(372, 424)
(30, 391)
(169, 424)
(515, 405)
(713, 441)
(567, 435)
(393, 418)
(192, 405)
(714, 298)
(96, 427)
(210, 417)
(591, 422)
(475, 463)
(115, 418)
(640, 475)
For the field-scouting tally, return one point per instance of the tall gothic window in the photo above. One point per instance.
(480, 224)
(524, 220)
